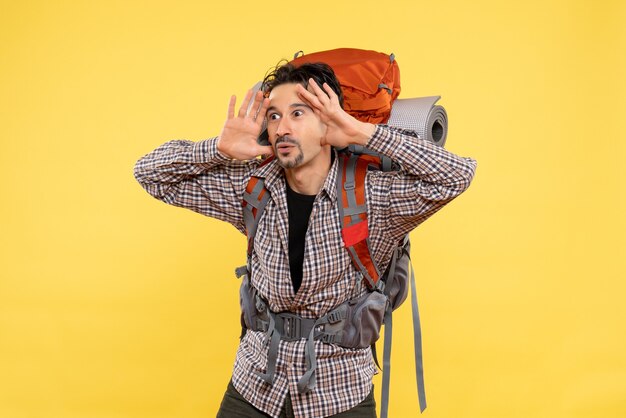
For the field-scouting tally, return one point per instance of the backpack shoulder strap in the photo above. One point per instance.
(353, 166)
(417, 345)
(353, 212)
(377, 160)
(255, 198)
(417, 348)
(254, 201)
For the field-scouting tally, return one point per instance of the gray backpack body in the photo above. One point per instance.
(357, 322)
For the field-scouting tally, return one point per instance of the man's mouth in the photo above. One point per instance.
(284, 145)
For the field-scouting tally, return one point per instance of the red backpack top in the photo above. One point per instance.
(370, 80)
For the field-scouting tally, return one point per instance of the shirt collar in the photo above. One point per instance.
(330, 184)
(275, 177)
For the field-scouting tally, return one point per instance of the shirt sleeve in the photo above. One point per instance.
(429, 178)
(196, 176)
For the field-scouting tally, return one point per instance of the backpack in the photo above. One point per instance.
(370, 80)
(355, 323)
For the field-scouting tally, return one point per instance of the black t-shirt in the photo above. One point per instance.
(299, 207)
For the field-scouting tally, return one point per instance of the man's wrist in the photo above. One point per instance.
(207, 150)
(217, 145)
(220, 149)
(365, 132)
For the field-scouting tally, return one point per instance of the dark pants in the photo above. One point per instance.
(234, 405)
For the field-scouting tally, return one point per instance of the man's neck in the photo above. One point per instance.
(308, 179)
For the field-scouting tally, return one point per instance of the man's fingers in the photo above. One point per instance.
(319, 93)
(256, 105)
(260, 117)
(231, 107)
(264, 150)
(331, 93)
(244, 105)
(310, 98)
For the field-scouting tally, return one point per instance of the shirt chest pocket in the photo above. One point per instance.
(270, 243)
(324, 245)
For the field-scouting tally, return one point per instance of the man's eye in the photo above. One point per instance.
(298, 113)
(273, 116)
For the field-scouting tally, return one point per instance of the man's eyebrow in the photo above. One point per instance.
(300, 105)
(272, 108)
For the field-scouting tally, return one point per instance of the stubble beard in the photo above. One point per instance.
(288, 162)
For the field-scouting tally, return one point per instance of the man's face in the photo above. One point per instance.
(295, 131)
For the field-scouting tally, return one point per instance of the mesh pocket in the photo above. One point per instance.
(364, 319)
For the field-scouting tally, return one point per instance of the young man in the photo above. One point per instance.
(299, 264)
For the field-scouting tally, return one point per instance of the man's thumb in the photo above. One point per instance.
(265, 150)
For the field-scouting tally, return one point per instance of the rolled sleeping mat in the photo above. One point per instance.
(422, 116)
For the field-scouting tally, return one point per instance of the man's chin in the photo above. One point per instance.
(292, 162)
(286, 163)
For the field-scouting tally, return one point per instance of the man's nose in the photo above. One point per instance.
(283, 128)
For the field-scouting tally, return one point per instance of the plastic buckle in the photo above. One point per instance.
(291, 327)
(335, 317)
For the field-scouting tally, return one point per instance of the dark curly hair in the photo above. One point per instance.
(289, 73)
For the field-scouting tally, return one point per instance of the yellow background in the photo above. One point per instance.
(113, 304)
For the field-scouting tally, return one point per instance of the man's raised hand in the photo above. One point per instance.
(341, 128)
(238, 139)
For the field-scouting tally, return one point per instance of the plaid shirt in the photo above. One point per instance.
(196, 176)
